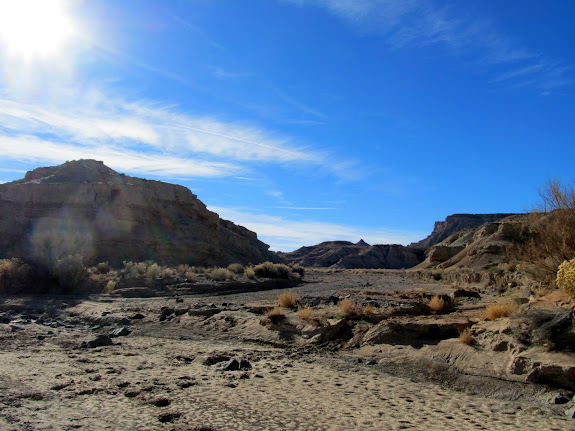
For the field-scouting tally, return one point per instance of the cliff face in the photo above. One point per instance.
(456, 223)
(343, 254)
(84, 207)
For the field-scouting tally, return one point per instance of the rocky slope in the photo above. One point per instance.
(344, 254)
(84, 207)
(456, 223)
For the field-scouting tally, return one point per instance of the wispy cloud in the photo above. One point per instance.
(283, 234)
(417, 23)
(142, 136)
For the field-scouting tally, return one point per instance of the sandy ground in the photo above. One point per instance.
(155, 378)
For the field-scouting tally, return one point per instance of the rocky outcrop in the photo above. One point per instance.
(456, 223)
(344, 254)
(83, 207)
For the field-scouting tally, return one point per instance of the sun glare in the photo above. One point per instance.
(32, 28)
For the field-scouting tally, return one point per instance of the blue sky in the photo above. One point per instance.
(303, 120)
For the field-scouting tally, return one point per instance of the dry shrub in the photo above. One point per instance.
(502, 309)
(70, 271)
(566, 277)
(250, 273)
(221, 274)
(437, 304)
(191, 276)
(236, 268)
(275, 315)
(298, 269)
(287, 300)
(15, 276)
(110, 287)
(103, 268)
(274, 270)
(368, 310)
(153, 270)
(552, 229)
(465, 337)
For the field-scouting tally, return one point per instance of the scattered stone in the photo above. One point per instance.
(15, 328)
(559, 399)
(180, 311)
(6, 318)
(356, 361)
(570, 413)
(41, 337)
(132, 393)
(186, 359)
(231, 365)
(464, 293)
(245, 365)
(371, 362)
(120, 332)
(215, 358)
(169, 417)
(100, 341)
(137, 316)
(124, 384)
(179, 300)
(161, 402)
(60, 386)
(124, 321)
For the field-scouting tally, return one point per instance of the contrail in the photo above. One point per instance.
(238, 139)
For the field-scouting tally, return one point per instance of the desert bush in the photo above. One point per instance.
(551, 229)
(274, 270)
(70, 271)
(250, 273)
(15, 275)
(191, 276)
(220, 274)
(502, 309)
(153, 270)
(465, 337)
(297, 269)
(287, 300)
(169, 273)
(103, 268)
(437, 304)
(566, 277)
(275, 315)
(135, 269)
(110, 287)
(236, 268)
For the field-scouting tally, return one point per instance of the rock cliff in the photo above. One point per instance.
(84, 207)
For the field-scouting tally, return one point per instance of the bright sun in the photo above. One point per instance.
(31, 28)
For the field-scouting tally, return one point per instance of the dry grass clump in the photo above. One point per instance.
(465, 337)
(236, 268)
(566, 277)
(275, 315)
(496, 311)
(437, 304)
(15, 275)
(351, 310)
(190, 276)
(305, 313)
(110, 287)
(287, 300)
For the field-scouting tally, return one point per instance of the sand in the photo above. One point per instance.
(155, 378)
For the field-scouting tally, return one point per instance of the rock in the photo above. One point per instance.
(179, 300)
(135, 292)
(463, 293)
(245, 364)
(120, 332)
(6, 318)
(124, 321)
(100, 341)
(559, 398)
(215, 358)
(137, 316)
(570, 413)
(231, 365)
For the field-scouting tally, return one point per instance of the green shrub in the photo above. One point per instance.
(566, 277)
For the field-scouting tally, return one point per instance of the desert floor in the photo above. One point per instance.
(155, 377)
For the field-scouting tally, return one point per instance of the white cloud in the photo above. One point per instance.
(283, 234)
(139, 135)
